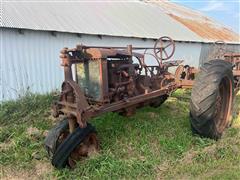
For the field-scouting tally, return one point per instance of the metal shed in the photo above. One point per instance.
(32, 34)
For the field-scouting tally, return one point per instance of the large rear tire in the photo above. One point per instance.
(212, 99)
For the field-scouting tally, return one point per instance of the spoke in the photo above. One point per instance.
(165, 53)
(168, 45)
(161, 55)
(161, 43)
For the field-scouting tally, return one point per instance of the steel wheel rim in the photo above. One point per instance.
(223, 104)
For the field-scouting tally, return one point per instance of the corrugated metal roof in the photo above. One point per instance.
(128, 19)
(203, 26)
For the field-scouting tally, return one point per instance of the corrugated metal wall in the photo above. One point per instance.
(30, 61)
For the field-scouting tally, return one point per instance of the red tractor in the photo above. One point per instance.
(121, 79)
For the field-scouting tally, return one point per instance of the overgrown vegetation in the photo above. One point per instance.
(154, 143)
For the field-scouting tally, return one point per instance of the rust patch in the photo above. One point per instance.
(196, 21)
(207, 30)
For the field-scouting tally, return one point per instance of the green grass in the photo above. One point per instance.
(154, 143)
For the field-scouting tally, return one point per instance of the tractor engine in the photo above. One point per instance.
(122, 75)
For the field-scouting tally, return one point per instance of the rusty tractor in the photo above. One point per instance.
(121, 79)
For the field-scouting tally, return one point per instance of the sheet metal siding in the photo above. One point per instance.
(207, 49)
(128, 19)
(30, 61)
(1, 64)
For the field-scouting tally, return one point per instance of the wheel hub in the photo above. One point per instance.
(88, 147)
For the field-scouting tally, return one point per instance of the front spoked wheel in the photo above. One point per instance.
(70, 148)
(89, 146)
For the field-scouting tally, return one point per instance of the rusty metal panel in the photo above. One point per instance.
(104, 80)
(206, 28)
(209, 32)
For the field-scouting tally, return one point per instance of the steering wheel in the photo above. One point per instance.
(160, 48)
